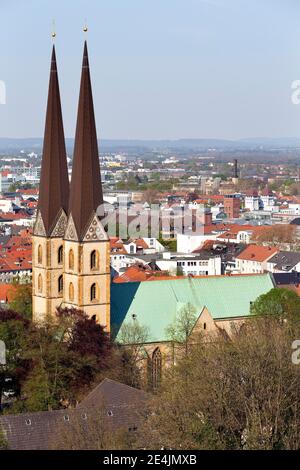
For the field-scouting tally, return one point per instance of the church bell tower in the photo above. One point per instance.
(86, 244)
(49, 228)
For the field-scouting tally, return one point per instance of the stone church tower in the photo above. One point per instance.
(49, 229)
(86, 244)
(79, 262)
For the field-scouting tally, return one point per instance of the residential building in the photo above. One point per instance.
(254, 258)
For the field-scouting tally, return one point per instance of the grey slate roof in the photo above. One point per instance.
(285, 258)
(119, 404)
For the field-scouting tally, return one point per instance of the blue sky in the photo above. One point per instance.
(160, 68)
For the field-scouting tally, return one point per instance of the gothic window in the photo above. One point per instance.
(60, 254)
(40, 254)
(40, 283)
(71, 292)
(60, 284)
(94, 292)
(156, 369)
(71, 259)
(94, 260)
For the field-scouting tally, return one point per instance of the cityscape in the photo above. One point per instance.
(149, 287)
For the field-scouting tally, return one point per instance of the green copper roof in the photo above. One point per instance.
(155, 303)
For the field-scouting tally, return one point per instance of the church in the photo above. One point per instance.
(71, 256)
(71, 249)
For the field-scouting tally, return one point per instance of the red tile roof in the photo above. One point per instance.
(257, 253)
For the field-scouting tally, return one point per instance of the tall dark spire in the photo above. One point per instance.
(86, 188)
(54, 183)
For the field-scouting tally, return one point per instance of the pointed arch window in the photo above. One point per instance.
(40, 254)
(71, 292)
(94, 292)
(40, 283)
(60, 255)
(60, 284)
(71, 259)
(94, 259)
(156, 370)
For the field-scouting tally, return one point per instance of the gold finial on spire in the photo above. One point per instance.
(53, 34)
(85, 27)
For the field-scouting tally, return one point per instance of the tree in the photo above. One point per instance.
(277, 234)
(20, 298)
(3, 440)
(14, 330)
(238, 393)
(150, 196)
(282, 304)
(132, 338)
(68, 353)
(180, 330)
(92, 433)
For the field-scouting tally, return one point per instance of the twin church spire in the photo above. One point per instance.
(70, 248)
(81, 200)
(86, 189)
(54, 182)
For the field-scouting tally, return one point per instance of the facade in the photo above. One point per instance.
(232, 205)
(254, 259)
(71, 253)
(253, 202)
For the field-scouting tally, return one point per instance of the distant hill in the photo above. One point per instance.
(35, 144)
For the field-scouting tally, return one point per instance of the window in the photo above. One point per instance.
(71, 259)
(93, 292)
(60, 255)
(131, 249)
(40, 254)
(60, 284)
(40, 283)
(94, 260)
(156, 369)
(204, 326)
(71, 292)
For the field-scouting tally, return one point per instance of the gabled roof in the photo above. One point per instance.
(118, 403)
(155, 304)
(257, 253)
(114, 394)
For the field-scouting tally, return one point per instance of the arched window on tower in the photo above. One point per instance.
(60, 255)
(60, 284)
(156, 369)
(94, 292)
(71, 259)
(40, 254)
(94, 259)
(40, 283)
(71, 292)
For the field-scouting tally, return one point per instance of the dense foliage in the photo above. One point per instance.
(53, 364)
